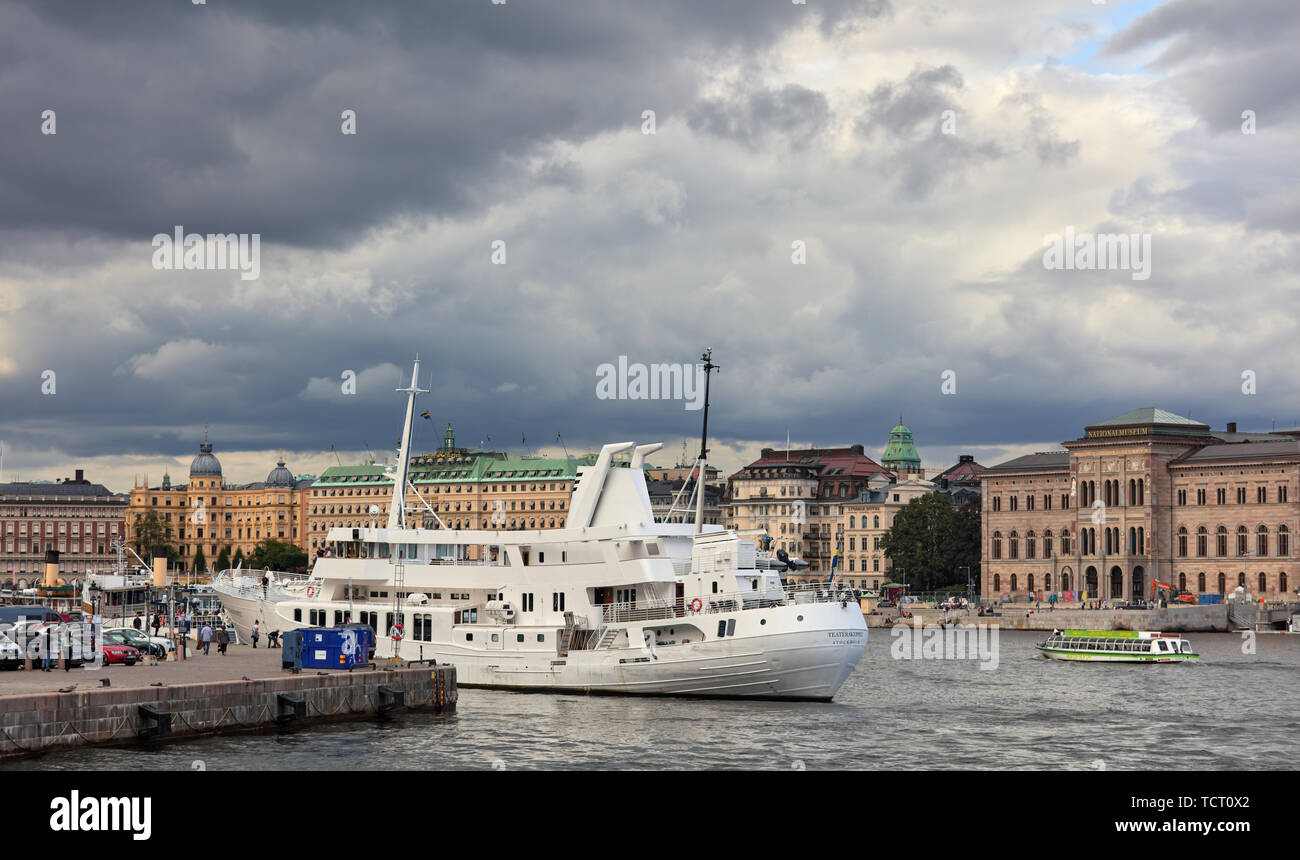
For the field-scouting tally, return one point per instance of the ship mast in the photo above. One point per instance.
(397, 508)
(709, 367)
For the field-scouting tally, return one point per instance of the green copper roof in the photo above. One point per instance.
(900, 452)
(1148, 415)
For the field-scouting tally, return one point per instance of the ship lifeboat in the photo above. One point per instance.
(499, 609)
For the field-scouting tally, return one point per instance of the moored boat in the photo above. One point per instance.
(1117, 646)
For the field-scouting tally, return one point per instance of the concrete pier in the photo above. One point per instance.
(33, 722)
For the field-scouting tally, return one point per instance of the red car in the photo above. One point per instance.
(120, 654)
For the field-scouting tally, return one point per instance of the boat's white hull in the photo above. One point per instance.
(786, 663)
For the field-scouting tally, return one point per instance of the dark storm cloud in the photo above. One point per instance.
(227, 116)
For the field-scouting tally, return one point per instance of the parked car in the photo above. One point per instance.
(115, 653)
(159, 646)
(885, 604)
(11, 656)
(30, 637)
(132, 638)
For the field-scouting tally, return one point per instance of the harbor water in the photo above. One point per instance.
(1231, 710)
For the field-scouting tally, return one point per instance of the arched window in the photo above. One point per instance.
(1132, 490)
(1047, 544)
(1031, 583)
(1182, 541)
(1065, 542)
(1283, 541)
(1047, 581)
(997, 583)
(1261, 541)
(875, 522)
(1065, 579)
(1221, 541)
(1013, 546)
(1030, 545)
(1132, 539)
(1242, 541)
(1013, 583)
(997, 546)
(1223, 583)
(1200, 582)
(1182, 582)
(851, 523)
(1263, 584)
(1281, 582)
(1142, 541)
(1202, 540)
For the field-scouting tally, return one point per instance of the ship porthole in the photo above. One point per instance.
(762, 621)
(799, 618)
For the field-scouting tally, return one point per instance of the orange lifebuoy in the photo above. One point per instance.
(697, 605)
(311, 591)
(396, 631)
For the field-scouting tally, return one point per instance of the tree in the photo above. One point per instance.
(278, 555)
(238, 557)
(148, 530)
(931, 540)
(223, 558)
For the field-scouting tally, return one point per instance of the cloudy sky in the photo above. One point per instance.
(920, 152)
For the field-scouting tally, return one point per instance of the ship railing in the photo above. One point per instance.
(248, 584)
(656, 608)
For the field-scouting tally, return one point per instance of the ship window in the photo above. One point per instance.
(469, 637)
(731, 627)
(722, 628)
(519, 637)
(541, 637)
(715, 587)
(541, 557)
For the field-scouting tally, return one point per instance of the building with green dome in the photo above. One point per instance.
(900, 454)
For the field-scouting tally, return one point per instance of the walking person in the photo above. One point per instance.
(138, 623)
(45, 652)
(223, 639)
(265, 582)
(205, 636)
(256, 633)
(157, 623)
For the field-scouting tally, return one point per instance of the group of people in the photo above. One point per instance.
(222, 637)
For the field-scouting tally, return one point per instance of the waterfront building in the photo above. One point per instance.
(794, 498)
(208, 513)
(1145, 496)
(78, 519)
(465, 489)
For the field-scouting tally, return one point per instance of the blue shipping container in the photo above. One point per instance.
(335, 647)
(1207, 599)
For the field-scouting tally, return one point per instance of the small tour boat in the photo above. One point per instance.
(1117, 646)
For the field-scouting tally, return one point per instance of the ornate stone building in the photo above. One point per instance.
(207, 512)
(1145, 496)
(79, 519)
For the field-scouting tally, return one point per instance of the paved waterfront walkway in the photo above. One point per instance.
(238, 662)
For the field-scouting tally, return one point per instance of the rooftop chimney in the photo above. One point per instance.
(1232, 426)
(81, 476)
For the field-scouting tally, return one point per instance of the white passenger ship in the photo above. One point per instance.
(612, 603)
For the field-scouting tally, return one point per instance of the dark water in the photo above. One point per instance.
(1230, 711)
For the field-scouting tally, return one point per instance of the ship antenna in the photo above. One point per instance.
(709, 367)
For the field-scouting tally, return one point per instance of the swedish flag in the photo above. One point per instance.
(835, 557)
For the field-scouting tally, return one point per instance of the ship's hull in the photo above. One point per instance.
(1090, 657)
(786, 663)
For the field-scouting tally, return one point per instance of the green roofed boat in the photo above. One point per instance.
(1117, 646)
